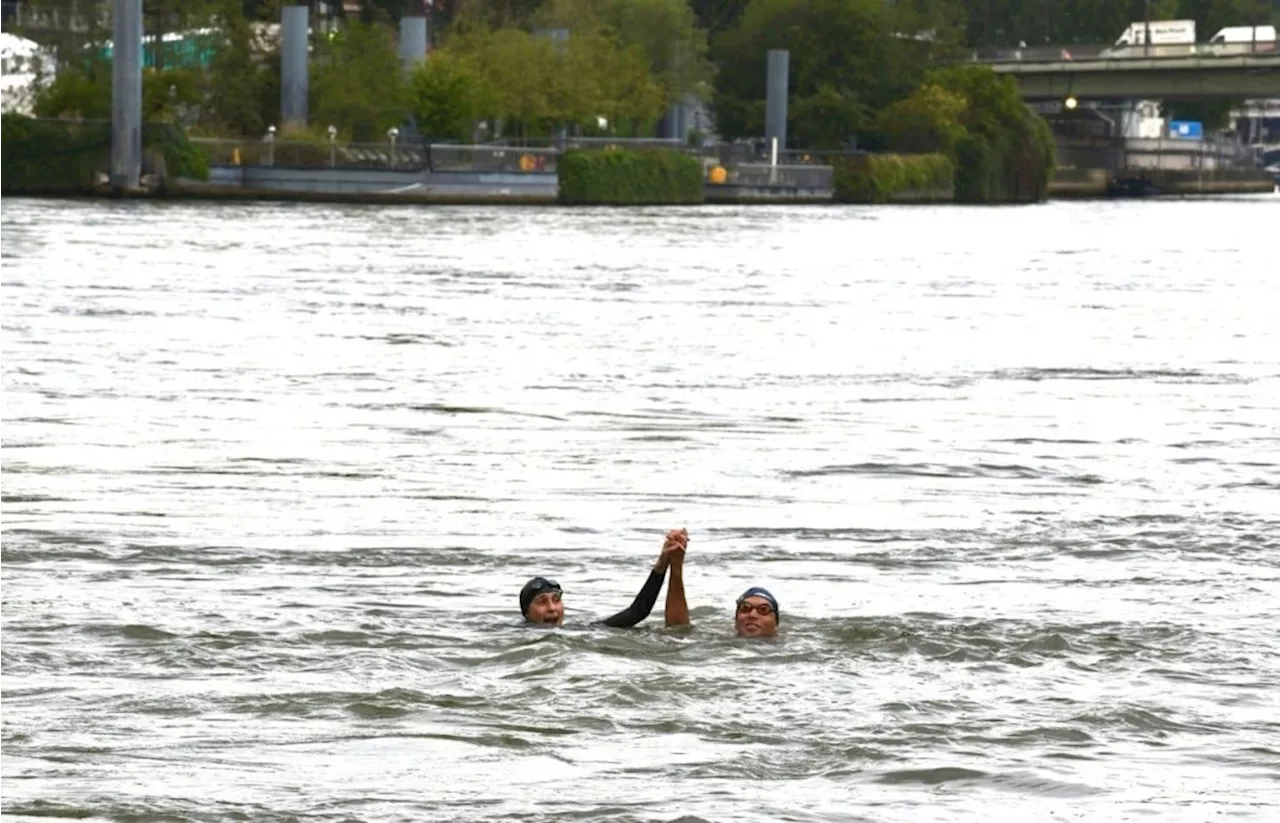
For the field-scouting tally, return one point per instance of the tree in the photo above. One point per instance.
(492, 14)
(828, 118)
(666, 31)
(626, 92)
(519, 67)
(850, 48)
(76, 94)
(358, 84)
(927, 121)
(449, 94)
(669, 34)
(243, 83)
(536, 83)
(1004, 151)
(717, 15)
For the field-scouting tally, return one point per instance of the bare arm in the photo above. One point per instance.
(677, 609)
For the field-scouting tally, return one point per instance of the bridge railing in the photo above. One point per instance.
(1084, 52)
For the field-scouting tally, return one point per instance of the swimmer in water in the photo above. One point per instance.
(541, 599)
(757, 609)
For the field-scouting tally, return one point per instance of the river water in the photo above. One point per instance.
(273, 476)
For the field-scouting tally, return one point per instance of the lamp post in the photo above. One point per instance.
(392, 134)
(271, 145)
(333, 148)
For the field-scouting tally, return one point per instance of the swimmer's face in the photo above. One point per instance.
(756, 618)
(547, 608)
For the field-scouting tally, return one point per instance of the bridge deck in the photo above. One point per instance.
(1183, 73)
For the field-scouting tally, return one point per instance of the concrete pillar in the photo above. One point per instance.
(775, 105)
(294, 60)
(413, 41)
(126, 94)
(685, 111)
(676, 120)
(671, 121)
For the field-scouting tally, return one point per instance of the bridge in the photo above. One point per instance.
(1198, 71)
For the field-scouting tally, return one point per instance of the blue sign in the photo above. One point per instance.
(1185, 130)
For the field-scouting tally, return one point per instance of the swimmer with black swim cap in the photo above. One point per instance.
(542, 599)
(756, 611)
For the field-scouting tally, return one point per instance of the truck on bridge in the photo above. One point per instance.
(1173, 38)
(1163, 33)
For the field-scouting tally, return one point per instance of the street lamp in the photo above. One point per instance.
(271, 145)
(333, 151)
(392, 134)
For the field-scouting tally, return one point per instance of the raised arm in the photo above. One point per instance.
(641, 607)
(677, 610)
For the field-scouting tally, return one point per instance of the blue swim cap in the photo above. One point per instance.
(760, 591)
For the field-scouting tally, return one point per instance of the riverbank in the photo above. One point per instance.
(419, 187)
(1143, 182)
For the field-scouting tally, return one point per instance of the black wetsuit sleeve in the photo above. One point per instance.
(641, 606)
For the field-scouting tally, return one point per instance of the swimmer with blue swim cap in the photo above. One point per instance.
(757, 614)
(757, 608)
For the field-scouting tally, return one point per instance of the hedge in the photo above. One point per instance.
(629, 177)
(64, 156)
(882, 178)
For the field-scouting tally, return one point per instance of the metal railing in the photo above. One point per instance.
(759, 151)
(488, 158)
(743, 164)
(1086, 52)
(589, 142)
(763, 174)
(1117, 152)
(405, 156)
(624, 143)
(303, 154)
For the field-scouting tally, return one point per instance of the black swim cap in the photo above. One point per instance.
(532, 589)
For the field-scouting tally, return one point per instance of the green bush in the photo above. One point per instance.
(182, 158)
(52, 156)
(881, 178)
(626, 177)
(64, 156)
